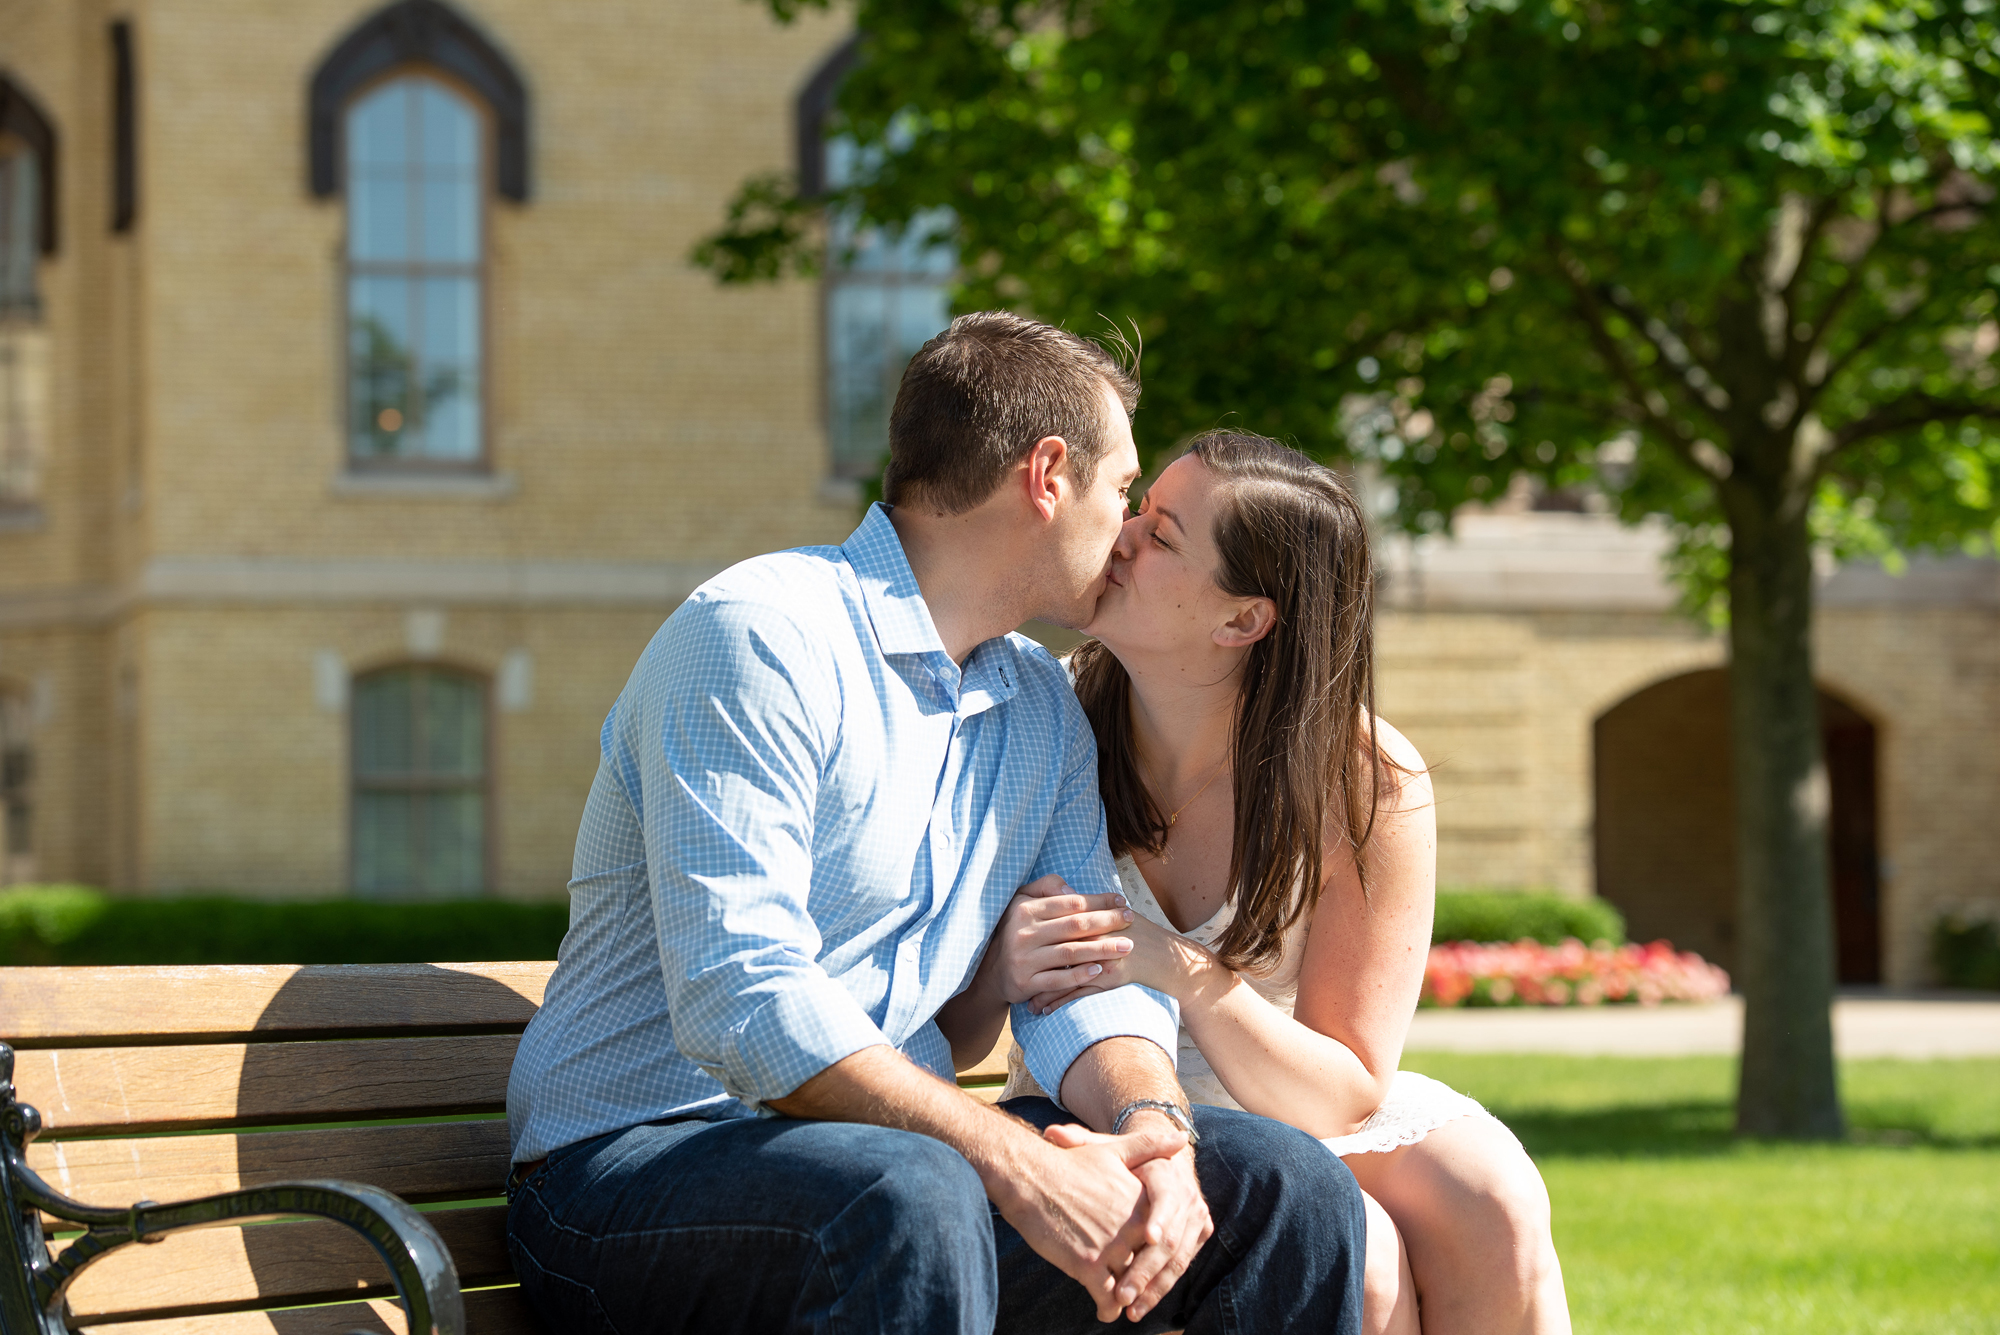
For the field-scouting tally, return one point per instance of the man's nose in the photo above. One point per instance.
(1128, 538)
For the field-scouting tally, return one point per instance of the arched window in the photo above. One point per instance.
(420, 790)
(885, 294)
(17, 789)
(27, 232)
(418, 115)
(415, 274)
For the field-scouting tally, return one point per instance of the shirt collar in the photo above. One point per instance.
(889, 590)
(903, 624)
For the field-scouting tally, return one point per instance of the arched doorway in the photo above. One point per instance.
(1665, 830)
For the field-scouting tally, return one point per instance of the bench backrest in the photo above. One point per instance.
(164, 1083)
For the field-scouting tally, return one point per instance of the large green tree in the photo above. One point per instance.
(1730, 261)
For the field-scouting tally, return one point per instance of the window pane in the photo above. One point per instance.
(450, 220)
(448, 363)
(384, 724)
(448, 129)
(382, 366)
(378, 127)
(385, 843)
(888, 294)
(453, 843)
(454, 725)
(857, 351)
(19, 179)
(17, 778)
(378, 216)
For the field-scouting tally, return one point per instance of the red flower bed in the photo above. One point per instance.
(1528, 973)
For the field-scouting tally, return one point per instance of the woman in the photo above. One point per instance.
(1278, 843)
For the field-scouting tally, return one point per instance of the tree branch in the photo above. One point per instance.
(1908, 411)
(1671, 347)
(1678, 437)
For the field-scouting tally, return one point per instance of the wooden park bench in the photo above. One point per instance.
(285, 1119)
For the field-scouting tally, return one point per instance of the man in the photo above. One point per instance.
(827, 776)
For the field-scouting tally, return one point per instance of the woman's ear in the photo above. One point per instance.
(1252, 622)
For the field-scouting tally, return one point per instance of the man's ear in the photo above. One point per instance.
(1253, 621)
(1046, 474)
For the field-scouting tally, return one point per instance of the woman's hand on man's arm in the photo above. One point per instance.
(1050, 941)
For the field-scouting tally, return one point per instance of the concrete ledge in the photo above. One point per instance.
(424, 486)
(1862, 1027)
(242, 579)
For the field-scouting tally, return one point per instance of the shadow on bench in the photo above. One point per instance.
(172, 1084)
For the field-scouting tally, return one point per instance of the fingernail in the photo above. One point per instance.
(1128, 915)
(1120, 900)
(1124, 946)
(1093, 971)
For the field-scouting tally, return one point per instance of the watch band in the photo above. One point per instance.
(1173, 1112)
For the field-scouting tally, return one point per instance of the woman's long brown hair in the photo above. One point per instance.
(1287, 530)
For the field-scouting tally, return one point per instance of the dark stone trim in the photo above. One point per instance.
(21, 117)
(815, 106)
(419, 32)
(124, 130)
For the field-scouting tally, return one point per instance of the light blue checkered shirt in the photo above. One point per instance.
(805, 824)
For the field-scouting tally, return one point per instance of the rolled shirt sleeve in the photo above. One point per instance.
(1077, 849)
(731, 748)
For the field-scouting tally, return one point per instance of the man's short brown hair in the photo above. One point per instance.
(976, 398)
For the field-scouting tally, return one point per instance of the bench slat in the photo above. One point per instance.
(220, 1269)
(172, 1003)
(437, 1162)
(487, 1312)
(84, 1090)
(993, 1066)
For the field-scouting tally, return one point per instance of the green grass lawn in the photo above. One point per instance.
(1667, 1224)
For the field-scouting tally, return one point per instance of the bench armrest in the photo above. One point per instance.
(32, 1284)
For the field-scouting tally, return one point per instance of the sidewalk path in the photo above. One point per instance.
(1863, 1026)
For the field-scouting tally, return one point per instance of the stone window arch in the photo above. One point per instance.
(421, 761)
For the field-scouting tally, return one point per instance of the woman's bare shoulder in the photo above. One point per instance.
(1406, 779)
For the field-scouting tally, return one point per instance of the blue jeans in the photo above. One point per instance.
(776, 1224)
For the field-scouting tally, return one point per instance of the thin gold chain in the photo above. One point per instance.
(1214, 774)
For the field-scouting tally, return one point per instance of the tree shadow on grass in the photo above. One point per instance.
(1693, 1129)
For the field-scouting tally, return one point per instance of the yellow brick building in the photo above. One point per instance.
(361, 417)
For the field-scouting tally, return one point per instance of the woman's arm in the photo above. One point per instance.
(1327, 1066)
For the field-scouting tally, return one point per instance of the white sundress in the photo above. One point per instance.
(1416, 1105)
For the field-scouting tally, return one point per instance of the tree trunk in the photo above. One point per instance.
(1784, 916)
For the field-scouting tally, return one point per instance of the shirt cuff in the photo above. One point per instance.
(793, 1037)
(1052, 1043)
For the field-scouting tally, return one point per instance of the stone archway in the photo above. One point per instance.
(1665, 834)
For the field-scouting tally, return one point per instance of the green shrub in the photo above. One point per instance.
(72, 924)
(1502, 915)
(1966, 951)
(75, 925)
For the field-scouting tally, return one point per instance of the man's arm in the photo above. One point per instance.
(1078, 1206)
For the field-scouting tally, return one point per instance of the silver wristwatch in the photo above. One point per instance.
(1172, 1111)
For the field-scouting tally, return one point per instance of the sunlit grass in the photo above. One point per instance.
(1666, 1223)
